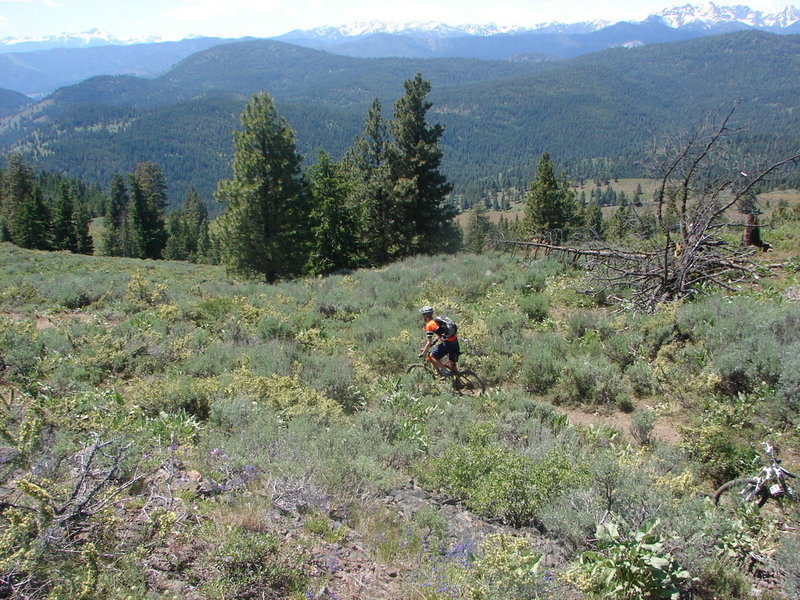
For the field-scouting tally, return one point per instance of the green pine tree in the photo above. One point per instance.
(117, 200)
(477, 229)
(153, 187)
(334, 220)
(549, 203)
(188, 230)
(83, 240)
(594, 220)
(32, 222)
(265, 228)
(65, 231)
(17, 187)
(425, 219)
(368, 162)
(133, 232)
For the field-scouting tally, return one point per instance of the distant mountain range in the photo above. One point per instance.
(37, 67)
(594, 113)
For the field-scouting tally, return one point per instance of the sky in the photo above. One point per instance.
(178, 19)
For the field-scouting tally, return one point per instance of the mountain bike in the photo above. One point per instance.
(463, 381)
(771, 482)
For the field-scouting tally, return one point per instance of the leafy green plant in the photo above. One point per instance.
(629, 567)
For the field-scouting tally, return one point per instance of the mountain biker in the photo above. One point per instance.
(436, 331)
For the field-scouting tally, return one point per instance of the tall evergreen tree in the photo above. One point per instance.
(372, 192)
(133, 236)
(65, 231)
(594, 220)
(17, 187)
(334, 220)
(32, 222)
(83, 240)
(153, 187)
(549, 203)
(117, 201)
(477, 230)
(265, 228)
(188, 230)
(419, 186)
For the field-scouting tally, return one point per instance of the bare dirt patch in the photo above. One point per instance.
(50, 320)
(664, 430)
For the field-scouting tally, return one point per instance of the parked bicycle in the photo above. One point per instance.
(462, 380)
(772, 481)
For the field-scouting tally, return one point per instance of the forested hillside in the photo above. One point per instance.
(594, 113)
(12, 102)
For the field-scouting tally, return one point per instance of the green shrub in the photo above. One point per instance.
(642, 423)
(506, 567)
(535, 306)
(720, 452)
(642, 379)
(623, 347)
(582, 322)
(542, 362)
(273, 326)
(217, 358)
(498, 482)
(721, 580)
(593, 381)
(77, 292)
(247, 561)
(20, 348)
(335, 377)
(505, 322)
(788, 559)
(534, 279)
(788, 388)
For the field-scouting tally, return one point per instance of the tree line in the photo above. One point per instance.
(385, 199)
(44, 212)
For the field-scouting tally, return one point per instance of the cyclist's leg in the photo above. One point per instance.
(453, 351)
(436, 355)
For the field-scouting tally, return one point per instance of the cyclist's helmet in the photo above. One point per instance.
(426, 310)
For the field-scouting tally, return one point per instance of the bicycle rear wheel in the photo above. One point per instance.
(468, 382)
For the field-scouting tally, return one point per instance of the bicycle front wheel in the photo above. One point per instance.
(735, 492)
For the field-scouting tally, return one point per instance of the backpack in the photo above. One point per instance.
(450, 328)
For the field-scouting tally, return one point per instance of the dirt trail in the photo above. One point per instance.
(664, 429)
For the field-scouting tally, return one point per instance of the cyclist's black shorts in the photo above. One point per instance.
(452, 349)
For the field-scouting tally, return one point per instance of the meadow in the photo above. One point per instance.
(169, 431)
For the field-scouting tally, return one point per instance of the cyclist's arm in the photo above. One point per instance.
(431, 340)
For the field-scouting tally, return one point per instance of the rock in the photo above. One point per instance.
(7, 455)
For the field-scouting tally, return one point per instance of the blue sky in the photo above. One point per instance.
(176, 19)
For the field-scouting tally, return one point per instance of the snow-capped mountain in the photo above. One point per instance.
(86, 39)
(708, 15)
(437, 30)
(703, 17)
